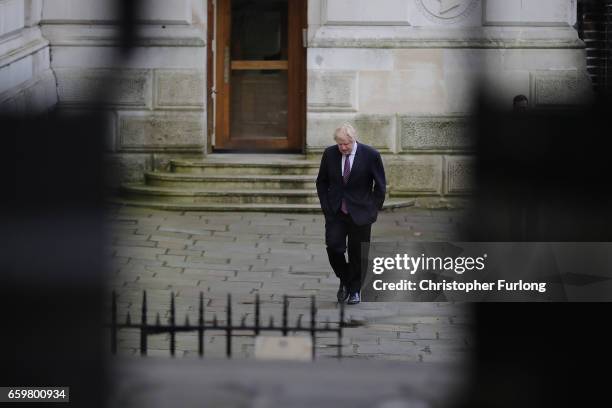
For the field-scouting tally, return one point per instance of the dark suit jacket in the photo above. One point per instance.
(365, 190)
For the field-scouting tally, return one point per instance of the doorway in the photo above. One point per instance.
(260, 76)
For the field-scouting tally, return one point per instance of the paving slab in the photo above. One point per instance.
(273, 255)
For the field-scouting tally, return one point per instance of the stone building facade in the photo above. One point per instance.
(405, 72)
(27, 82)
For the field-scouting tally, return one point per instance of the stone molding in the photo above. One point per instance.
(21, 44)
(108, 35)
(479, 37)
(96, 11)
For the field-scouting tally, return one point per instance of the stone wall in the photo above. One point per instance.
(403, 71)
(154, 96)
(406, 72)
(27, 84)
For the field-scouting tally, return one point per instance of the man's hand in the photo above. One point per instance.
(323, 185)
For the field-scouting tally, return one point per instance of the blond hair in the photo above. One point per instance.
(346, 130)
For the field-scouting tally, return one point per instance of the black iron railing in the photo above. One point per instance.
(595, 29)
(202, 326)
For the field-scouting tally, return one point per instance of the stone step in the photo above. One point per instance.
(259, 166)
(229, 182)
(279, 208)
(255, 157)
(140, 192)
(233, 182)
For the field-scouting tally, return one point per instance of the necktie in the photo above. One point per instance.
(345, 175)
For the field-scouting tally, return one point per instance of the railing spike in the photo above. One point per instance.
(172, 307)
(340, 328)
(172, 325)
(143, 326)
(257, 316)
(201, 324)
(313, 317)
(299, 321)
(113, 332)
(228, 327)
(285, 314)
(341, 315)
(201, 310)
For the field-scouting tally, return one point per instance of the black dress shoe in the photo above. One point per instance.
(354, 298)
(343, 293)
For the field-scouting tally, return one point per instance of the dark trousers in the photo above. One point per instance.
(337, 230)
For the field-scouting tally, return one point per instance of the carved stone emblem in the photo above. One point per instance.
(446, 11)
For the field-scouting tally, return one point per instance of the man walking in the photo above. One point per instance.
(351, 187)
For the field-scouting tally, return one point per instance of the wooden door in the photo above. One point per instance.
(260, 75)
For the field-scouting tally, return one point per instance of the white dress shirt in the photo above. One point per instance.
(351, 159)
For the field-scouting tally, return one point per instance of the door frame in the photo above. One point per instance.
(219, 32)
